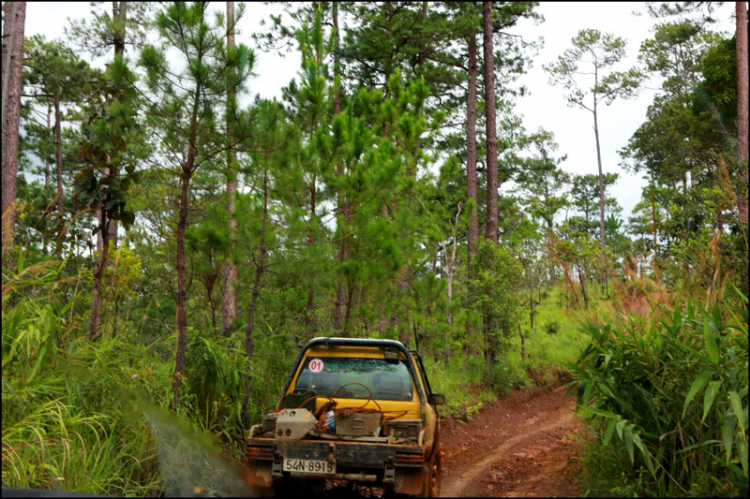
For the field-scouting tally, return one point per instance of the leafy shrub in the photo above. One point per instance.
(644, 383)
(552, 328)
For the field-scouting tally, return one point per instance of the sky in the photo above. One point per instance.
(545, 105)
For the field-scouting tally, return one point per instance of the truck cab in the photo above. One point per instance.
(359, 410)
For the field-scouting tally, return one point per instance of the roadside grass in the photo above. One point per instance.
(71, 420)
(72, 414)
(464, 393)
(552, 346)
(665, 397)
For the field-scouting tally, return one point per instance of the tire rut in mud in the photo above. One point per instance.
(521, 445)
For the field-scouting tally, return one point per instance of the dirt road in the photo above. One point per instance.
(521, 445)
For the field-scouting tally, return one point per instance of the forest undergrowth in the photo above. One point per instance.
(665, 394)
(75, 412)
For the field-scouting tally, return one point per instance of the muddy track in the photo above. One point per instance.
(522, 445)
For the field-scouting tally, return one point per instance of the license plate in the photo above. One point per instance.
(309, 466)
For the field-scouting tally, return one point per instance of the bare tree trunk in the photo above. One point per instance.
(259, 269)
(523, 343)
(11, 108)
(229, 309)
(489, 98)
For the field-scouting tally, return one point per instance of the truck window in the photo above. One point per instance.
(388, 380)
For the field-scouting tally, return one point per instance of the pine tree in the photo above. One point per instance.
(229, 304)
(598, 52)
(112, 135)
(182, 113)
(127, 25)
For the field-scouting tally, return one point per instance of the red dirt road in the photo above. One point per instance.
(522, 445)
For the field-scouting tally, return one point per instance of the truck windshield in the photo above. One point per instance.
(388, 380)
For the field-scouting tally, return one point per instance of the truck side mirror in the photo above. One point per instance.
(436, 399)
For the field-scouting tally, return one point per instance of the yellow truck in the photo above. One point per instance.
(359, 410)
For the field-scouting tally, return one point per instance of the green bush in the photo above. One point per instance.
(674, 392)
(552, 328)
(461, 383)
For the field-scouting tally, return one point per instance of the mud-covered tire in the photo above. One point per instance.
(435, 475)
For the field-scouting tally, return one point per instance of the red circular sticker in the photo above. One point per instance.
(316, 365)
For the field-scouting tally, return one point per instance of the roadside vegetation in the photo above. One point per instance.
(664, 395)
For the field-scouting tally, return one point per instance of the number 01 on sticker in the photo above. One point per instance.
(316, 365)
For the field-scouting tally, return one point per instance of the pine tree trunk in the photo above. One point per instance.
(229, 309)
(185, 177)
(310, 242)
(582, 278)
(449, 278)
(46, 181)
(9, 19)
(602, 240)
(95, 318)
(119, 11)
(181, 285)
(259, 269)
(58, 153)
(742, 102)
(11, 108)
(489, 97)
(531, 308)
(472, 233)
(742, 119)
(601, 179)
(342, 207)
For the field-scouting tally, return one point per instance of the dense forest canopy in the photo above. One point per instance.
(170, 236)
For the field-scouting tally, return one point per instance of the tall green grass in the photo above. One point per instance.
(668, 397)
(461, 381)
(73, 411)
(552, 345)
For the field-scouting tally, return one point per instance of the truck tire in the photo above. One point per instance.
(435, 475)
